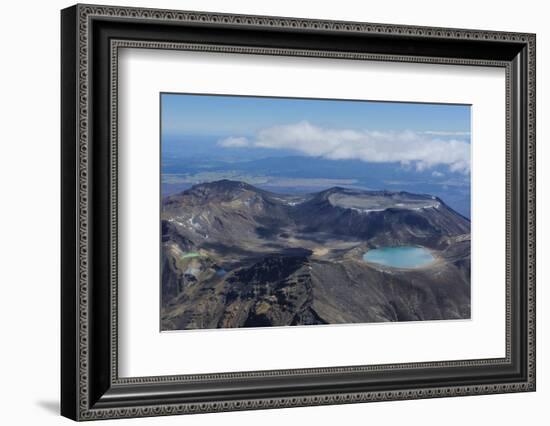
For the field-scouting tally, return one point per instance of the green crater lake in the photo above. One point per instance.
(400, 257)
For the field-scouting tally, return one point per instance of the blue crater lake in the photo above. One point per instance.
(400, 257)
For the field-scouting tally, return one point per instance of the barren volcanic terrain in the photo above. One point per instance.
(234, 255)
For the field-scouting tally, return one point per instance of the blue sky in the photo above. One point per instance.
(236, 115)
(419, 135)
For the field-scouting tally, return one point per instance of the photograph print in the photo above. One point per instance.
(301, 212)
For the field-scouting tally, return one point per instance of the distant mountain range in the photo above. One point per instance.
(234, 255)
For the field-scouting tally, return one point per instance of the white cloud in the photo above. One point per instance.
(410, 148)
(442, 133)
(233, 142)
(435, 173)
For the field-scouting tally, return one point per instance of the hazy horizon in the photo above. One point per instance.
(305, 145)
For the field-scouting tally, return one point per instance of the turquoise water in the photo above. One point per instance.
(400, 257)
(190, 254)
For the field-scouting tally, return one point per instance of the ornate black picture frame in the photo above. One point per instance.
(91, 387)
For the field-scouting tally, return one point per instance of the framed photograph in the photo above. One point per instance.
(263, 212)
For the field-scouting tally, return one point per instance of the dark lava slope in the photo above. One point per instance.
(237, 256)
